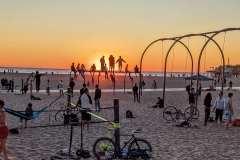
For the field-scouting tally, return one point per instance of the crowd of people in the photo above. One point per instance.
(221, 106)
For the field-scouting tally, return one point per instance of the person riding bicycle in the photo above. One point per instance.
(154, 84)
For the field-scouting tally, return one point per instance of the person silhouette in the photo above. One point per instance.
(119, 61)
(74, 70)
(82, 70)
(111, 63)
(93, 69)
(102, 61)
(78, 68)
(136, 69)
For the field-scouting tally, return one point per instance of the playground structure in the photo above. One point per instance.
(177, 39)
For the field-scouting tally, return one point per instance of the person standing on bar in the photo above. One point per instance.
(119, 61)
(102, 61)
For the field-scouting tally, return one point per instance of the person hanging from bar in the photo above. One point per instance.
(119, 61)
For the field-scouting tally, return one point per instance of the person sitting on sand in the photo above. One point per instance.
(159, 104)
(67, 116)
(3, 130)
(28, 112)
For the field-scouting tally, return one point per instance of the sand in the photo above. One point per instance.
(168, 142)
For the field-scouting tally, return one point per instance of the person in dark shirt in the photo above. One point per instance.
(207, 103)
(191, 100)
(159, 104)
(38, 80)
(67, 115)
(135, 92)
(71, 85)
(230, 85)
(28, 112)
(97, 98)
(82, 90)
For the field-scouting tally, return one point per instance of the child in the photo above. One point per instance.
(28, 112)
(66, 116)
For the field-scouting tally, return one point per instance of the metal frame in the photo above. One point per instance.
(177, 39)
(140, 81)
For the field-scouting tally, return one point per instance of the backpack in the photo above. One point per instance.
(129, 114)
(35, 98)
(85, 153)
(184, 123)
(210, 119)
(14, 131)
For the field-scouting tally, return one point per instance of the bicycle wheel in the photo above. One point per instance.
(191, 113)
(104, 148)
(139, 149)
(170, 113)
(59, 116)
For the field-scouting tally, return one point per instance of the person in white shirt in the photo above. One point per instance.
(219, 105)
(60, 87)
(85, 104)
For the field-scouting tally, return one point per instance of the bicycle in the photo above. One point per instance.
(172, 114)
(59, 114)
(105, 148)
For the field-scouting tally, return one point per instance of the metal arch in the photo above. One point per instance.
(140, 81)
(209, 38)
(165, 66)
(199, 59)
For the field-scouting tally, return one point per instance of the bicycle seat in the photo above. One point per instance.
(136, 131)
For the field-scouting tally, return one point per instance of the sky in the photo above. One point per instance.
(53, 34)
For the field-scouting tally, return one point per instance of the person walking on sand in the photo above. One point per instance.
(191, 100)
(60, 87)
(215, 83)
(102, 61)
(38, 80)
(28, 112)
(135, 92)
(119, 61)
(3, 130)
(230, 85)
(228, 108)
(207, 103)
(154, 85)
(25, 88)
(4, 72)
(111, 63)
(48, 87)
(71, 85)
(219, 106)
(199, 91)
(143, 84)
(97, 97)
(12, 85)
(9, 85)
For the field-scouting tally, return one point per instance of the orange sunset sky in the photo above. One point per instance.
(55, 33)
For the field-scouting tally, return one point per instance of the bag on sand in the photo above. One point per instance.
(129, 114)
(85, 153)
(35, 98)
(14, 131)
(236, 122)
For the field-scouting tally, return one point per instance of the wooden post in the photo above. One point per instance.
(117, 124)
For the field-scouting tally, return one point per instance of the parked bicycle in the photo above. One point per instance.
(106, 149)
(172, 114)
(59, 115)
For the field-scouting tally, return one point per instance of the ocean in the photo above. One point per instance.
(67, 71)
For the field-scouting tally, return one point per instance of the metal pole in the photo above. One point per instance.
(31, 89)
(22, 86)
(69, 97)
(70, 139)
(117, 125)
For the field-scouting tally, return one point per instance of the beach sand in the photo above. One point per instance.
(168, 142)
